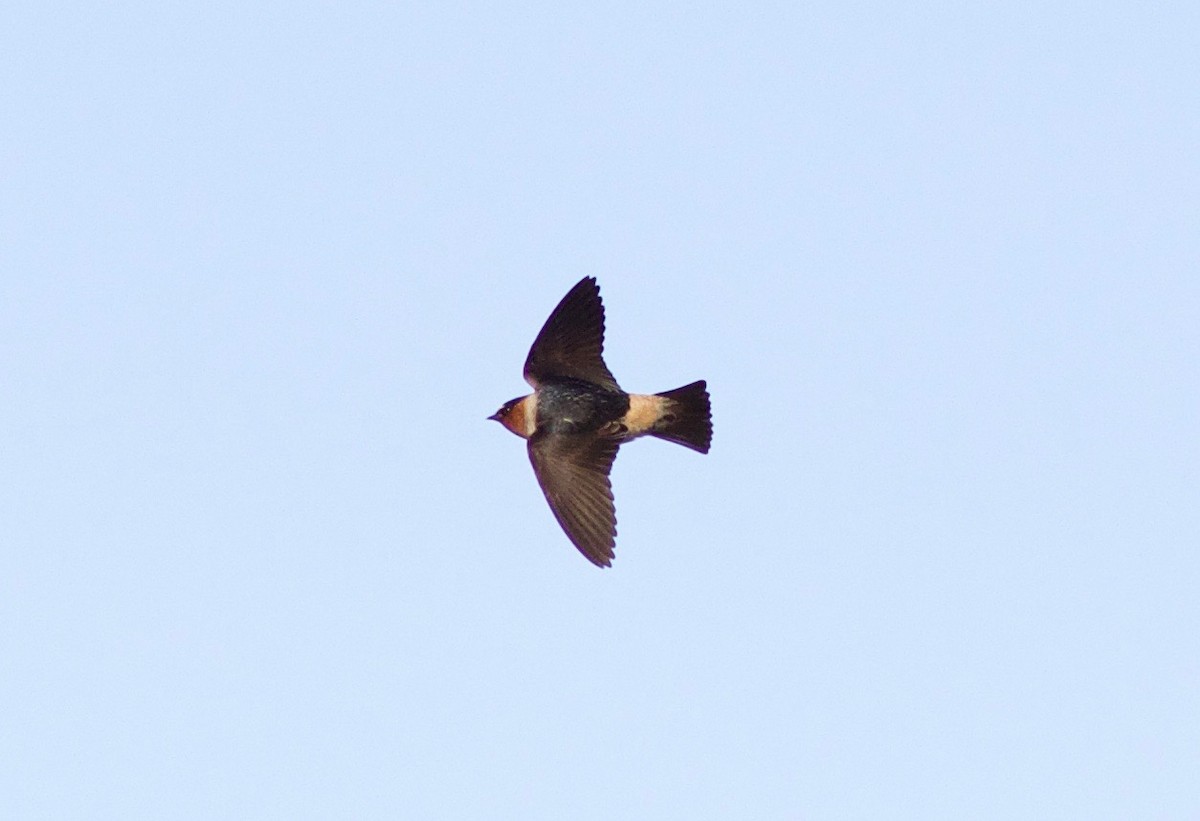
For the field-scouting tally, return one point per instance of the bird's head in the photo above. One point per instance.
(517, 415)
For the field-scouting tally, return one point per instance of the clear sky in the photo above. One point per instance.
(265, 268)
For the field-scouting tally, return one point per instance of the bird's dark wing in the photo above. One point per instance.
(571, 343)
(573, 472)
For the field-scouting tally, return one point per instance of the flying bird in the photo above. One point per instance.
(578, 416)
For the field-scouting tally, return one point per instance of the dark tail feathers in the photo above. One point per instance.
(687, 418)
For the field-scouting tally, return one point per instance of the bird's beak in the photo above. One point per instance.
(495, 417)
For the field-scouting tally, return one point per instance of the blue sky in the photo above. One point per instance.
(268, 267)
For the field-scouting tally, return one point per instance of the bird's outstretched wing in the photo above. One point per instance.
(571, 343)
(573, 472)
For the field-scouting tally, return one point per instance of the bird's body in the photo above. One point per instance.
(578, 416)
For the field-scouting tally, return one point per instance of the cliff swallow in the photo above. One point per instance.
(577, 417)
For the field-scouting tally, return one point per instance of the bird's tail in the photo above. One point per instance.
(686, 417)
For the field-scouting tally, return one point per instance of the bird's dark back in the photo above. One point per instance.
(575, 406)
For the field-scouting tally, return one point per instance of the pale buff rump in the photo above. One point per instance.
(644, 412)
